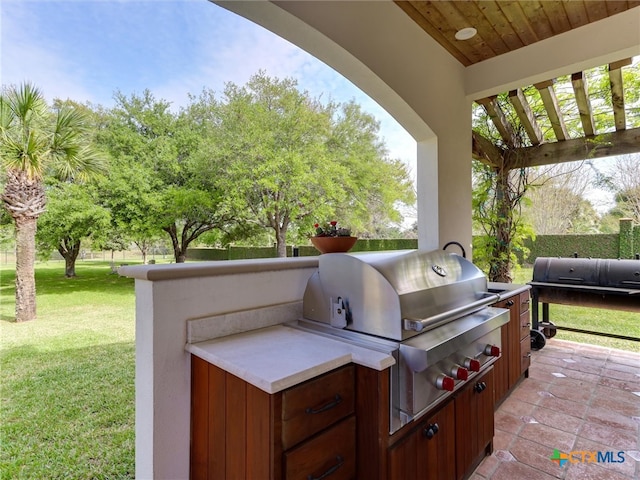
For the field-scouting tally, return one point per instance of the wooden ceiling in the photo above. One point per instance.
(504, 26)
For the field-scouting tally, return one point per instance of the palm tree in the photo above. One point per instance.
(36, 141)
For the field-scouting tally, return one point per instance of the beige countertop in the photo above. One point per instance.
(278, 357)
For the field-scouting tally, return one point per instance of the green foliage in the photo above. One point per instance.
(72, 215)
(287, 161)
(155, 185)
(362, 245)
(497, 198)
(595, 246)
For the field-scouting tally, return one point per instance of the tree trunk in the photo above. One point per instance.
(25, 268)
(500, 270)
(173, 233)
(281, 242)
(70, 254)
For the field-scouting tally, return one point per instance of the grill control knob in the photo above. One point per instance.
(460, 373)
(472, 364)
(444, 382)
(492, 351)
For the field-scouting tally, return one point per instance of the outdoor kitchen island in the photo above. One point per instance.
(292, 401)
(247, 302)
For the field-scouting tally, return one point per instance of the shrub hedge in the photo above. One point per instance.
(623, 245)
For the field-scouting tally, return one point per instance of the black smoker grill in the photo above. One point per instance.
(588, 282)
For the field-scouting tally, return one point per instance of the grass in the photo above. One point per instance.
(67, 378)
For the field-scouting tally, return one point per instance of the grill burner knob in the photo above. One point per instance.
(444, 382)
(460, 373)
(492, 351)
(472, 364)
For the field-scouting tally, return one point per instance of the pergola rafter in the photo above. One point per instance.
(544, 152)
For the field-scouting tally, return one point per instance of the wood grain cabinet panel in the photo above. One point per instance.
(516, 345)
(239, 431)
(474, 422)
(331, 455)
(314, 405)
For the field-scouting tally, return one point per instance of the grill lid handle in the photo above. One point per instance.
(420, 324)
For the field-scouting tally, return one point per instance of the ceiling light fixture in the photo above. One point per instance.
(466, 33)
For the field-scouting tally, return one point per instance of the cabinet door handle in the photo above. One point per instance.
(510, 303)
(480, 387)
(431, 430)
(333, 403)
(331, 471)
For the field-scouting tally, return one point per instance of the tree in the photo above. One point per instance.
(377, 187)
(72, 215)
(155, 185)
(34, 142)
(293, 161)
(624, 181)
(556, 203)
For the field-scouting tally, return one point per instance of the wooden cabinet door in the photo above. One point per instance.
(428, 452)
(474, 421)
(401, 459)
(436, 450)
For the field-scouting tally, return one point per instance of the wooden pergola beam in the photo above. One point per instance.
(550, 102)
(617, 92)
(499, 119)
(526, 116)
(621, 142)
(579, 83)
(485, 151)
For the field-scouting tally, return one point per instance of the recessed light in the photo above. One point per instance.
(466, 33)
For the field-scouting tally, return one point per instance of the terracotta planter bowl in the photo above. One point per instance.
(333, 244)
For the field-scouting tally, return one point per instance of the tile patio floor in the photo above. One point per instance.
(577, 398)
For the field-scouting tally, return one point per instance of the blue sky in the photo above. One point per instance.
(87, 49)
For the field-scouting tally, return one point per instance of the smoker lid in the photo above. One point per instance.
(587, 272)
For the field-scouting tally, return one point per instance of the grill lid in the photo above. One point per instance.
(394, 294)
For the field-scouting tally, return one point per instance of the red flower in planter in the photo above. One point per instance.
(332, 230)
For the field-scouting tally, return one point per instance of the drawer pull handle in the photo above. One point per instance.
(333, 403)
(510, 303)
(331, 471)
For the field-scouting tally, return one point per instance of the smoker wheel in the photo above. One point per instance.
(537, 340)
(549, 330)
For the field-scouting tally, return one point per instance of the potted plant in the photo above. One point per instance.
(332, 238)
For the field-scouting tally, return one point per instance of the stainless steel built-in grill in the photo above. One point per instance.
(430, 310)
(589, 282)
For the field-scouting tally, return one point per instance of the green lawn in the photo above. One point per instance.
(67, 379)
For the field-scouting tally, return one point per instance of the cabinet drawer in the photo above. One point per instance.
(525, 354)
(524, 302)
(332, 454)
(314, 405)
(525, 325)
